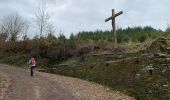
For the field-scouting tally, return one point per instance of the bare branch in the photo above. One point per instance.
(12, 26)
(42, 19)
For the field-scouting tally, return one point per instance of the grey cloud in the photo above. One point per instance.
(77, 15)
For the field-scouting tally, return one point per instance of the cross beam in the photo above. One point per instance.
(114, 15)
(110, 18)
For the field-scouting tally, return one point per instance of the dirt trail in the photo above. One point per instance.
(45, 86)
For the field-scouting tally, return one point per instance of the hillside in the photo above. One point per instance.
(144, 75)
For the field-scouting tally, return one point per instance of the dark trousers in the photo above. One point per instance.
(31, 70)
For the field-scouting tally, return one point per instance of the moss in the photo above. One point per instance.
(1, 82)
(160, 45)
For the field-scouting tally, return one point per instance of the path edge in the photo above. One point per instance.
(5, 89)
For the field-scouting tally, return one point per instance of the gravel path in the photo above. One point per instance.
(45, 86)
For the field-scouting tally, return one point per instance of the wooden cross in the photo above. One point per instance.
(114, 15)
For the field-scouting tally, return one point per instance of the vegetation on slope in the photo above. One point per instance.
(1, 82)
(143, 75)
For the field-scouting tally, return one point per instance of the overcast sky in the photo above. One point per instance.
(71, 16)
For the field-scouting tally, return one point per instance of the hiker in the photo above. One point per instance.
(32, 65)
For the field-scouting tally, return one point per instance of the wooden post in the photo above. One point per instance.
(114, 28)
(114, 15)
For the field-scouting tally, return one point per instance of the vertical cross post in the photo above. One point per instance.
(114, 15)
(114, 28)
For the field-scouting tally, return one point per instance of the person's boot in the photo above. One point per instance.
(31, 71)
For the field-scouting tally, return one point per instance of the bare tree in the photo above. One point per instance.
(51, 29)
(12, 25)
(3, 34)
(25, 31)
(42, 19)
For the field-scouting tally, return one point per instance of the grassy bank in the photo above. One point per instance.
(130, 76)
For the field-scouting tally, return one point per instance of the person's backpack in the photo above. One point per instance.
(32, 61)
